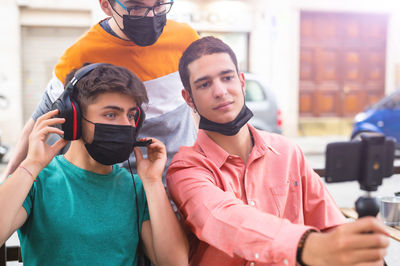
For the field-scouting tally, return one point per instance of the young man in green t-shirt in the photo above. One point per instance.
(81, 208)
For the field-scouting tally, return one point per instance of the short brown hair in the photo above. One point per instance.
(204, 46)
(107, 78)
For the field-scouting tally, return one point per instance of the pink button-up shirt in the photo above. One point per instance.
(253, 213)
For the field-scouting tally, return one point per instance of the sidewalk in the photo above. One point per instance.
(314, 148)
(316, 145)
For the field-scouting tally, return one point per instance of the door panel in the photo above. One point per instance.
(342, 62)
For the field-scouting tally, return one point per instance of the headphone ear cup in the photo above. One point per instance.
(77, 120)
(69, 108)
(140, 120)
(70, 111)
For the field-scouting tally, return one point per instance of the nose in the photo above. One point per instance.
(219, 89)
(150, 13)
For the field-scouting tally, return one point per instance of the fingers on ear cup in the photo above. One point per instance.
(56, 106)
(69, 109)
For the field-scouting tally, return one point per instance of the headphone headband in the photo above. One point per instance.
(81, 73)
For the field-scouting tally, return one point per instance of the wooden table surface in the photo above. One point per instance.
(393, 230)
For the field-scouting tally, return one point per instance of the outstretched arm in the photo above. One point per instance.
(255, 235)
(361, 242)
(15, 188)
(164, 240)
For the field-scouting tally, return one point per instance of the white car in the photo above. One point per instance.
(262, 102)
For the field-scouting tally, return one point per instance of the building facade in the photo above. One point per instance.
(313, 54)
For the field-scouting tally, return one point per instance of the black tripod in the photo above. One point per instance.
(367, 206)
(368, 161)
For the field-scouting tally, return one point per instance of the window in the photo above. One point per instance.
(254, 91)
(393, 102)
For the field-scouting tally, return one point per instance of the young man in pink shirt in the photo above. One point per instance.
(249, 197)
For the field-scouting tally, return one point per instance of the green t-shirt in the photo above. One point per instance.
(77, 217)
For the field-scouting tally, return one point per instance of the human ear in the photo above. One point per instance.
(242, 82)
(188, 98)
(106, 7)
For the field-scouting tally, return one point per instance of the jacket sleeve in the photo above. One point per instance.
(53, 90)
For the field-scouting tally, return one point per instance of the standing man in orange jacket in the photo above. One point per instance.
(136, 35)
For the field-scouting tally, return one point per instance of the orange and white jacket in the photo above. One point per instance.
(168, 118)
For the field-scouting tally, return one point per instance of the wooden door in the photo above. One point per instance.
(342, 62)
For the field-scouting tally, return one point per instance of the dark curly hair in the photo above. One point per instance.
(107, 78)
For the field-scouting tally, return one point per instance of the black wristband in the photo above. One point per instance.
(300, 246)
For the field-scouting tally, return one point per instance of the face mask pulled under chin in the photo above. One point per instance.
(230, 128)
(143, 31)
(111, 143)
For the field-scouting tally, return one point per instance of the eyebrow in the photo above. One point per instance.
(134, 2)
(224, 72)
(118, 108)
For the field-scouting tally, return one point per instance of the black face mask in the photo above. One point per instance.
(230, 128)
(143, 31)
(111, 143)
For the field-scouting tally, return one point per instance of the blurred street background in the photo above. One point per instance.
(325, 61)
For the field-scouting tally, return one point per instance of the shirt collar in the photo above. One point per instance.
(218, 155)
(211, 149)
(261, 145)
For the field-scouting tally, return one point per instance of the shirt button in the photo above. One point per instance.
(252, 264)
(286, 262)
(252, 203)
